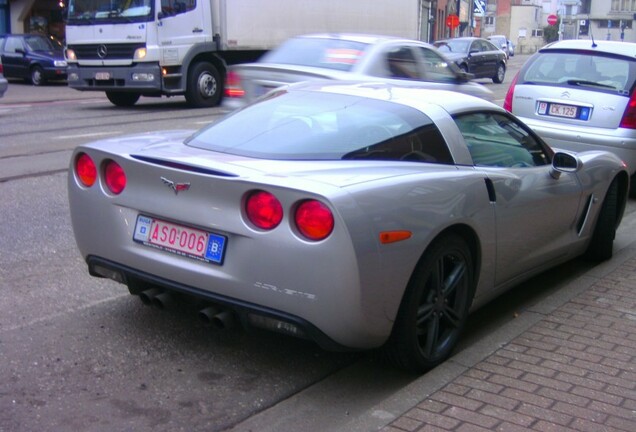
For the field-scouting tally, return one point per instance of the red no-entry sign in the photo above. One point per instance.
(552, 19)
(452, 21)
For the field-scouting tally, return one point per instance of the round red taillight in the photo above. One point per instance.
(264, 210)
(86, 170)
(115, 177)
(314, 220)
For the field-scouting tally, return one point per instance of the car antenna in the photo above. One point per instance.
(591, 33)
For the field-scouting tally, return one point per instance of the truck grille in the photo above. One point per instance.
(105, 51)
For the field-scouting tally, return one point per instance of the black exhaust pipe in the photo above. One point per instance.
(147, 295)
(220, 319)
(224, 320)
(162, 300)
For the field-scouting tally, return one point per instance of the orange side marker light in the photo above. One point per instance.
(387, 237)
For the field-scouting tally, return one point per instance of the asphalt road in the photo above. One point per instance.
(80, 354)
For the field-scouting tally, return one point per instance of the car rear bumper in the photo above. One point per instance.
(250, 315)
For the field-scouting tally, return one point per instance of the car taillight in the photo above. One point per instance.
(511, 90)
(629, 116)
(314, 220)
(86, 170)
(263, 210)
(233, 85)
(115, 177)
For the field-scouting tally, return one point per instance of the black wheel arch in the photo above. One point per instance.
(623, 180)
(469, 235)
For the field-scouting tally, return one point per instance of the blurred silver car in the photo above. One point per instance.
(501, 42)
(579, 95)
(358, 215)
(3, 82)
(348, 57)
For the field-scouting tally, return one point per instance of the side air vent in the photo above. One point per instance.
(585, 215)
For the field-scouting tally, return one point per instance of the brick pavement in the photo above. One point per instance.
(573, 370)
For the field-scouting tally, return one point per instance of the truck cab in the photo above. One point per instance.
(133, 48)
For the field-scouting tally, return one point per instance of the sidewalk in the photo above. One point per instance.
(571, 367)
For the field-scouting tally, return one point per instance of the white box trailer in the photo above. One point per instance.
(133, 48)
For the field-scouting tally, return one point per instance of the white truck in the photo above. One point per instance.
(133, 48)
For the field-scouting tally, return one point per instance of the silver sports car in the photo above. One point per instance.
(358, 215)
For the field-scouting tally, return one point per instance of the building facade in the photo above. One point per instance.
(33, 16)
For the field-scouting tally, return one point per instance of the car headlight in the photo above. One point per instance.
(60, 63)
(70, 54)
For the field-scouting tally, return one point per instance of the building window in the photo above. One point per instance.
(489, 20)
(622, 24)
(623, 6)
(537, 33)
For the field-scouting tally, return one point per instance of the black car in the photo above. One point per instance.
(477, 56)
(33, 57)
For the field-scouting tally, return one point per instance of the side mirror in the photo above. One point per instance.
(564, 163)
(464, 76)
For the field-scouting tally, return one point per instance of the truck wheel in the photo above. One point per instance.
(122, 99)
(204, 86)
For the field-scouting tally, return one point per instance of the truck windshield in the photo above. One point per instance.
(109, 11)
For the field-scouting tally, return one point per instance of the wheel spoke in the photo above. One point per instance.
(454, 279)
(432, 336)
(424, 314)
(452, 316)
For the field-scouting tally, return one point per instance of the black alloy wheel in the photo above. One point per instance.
(435, 307)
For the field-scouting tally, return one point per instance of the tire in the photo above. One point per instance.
(602, 243)
(122, 99)
(500, 74)
(204, 86)
(632, 186)
(37, 76)
(434, 308)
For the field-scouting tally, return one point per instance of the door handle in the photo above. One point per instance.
(197, 30)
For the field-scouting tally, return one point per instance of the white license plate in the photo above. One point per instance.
(102, 76)
(180, 240)
(557, 110)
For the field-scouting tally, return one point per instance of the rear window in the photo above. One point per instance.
(325, 53)
(580, 69)
(302, 125)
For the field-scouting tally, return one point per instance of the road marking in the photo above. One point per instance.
(88, 135)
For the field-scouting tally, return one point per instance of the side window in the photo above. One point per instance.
(435, 67)
(423, 144)
(401, 64)
(175, 7)
(496, 140)
(13, 44)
